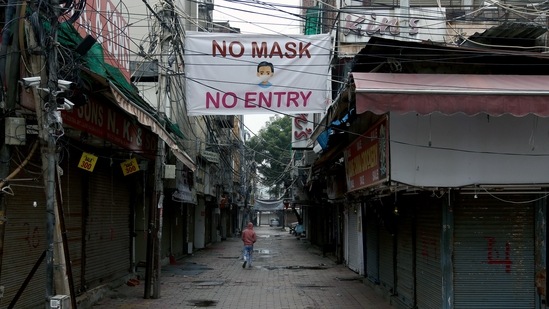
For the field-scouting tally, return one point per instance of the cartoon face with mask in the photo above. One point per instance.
(265, 70)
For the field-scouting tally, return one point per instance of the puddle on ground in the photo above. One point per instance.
(209, 283)
(262, 251)
(301, 285)
(185, 269)
(349, 279)
(203, 303)
(294, 267)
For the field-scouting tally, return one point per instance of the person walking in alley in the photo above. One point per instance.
(249, 238)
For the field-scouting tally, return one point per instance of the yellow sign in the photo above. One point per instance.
(87, 162)
(129, 166)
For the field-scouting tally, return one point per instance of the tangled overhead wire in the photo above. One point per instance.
(73, 9)
(64, 8)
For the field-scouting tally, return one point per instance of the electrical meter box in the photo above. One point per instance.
(169, 171)
(16, 131)
(60, 302)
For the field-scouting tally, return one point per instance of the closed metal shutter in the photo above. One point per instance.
(372, 248)
(386, 269)
(24, 242)
(173, 226)
(208, 223)
(25, 239)
(493, 254)
(352, 239)
(107, 251)
(405, 261)
(71, 183)
(428, 261)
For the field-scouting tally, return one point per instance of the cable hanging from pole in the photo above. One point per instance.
(74, 7)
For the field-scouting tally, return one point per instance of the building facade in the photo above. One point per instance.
(443, 203)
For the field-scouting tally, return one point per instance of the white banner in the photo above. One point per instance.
(237, 74)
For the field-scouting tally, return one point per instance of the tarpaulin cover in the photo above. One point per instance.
(268, 205)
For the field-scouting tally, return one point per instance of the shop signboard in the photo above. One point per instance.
(405, 24)
(302, 129)
(367, 158)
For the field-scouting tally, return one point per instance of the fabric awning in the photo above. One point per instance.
(518, 95)
(145, 119)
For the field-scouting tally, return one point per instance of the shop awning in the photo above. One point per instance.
(145, 119)
(495, 95)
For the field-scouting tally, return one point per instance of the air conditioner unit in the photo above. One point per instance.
(60, 302)
(169, 171)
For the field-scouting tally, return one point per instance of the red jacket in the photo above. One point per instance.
(248, 235)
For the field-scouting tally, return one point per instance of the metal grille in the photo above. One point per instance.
(415, 3)
(433, 3)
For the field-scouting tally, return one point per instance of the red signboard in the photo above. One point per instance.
(302, 128)
(105, 21)
(107, 121)
(367, 158)
(101, 120)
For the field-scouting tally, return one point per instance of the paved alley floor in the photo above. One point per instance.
(287, 273)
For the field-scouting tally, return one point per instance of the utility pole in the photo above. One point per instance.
(154, 256)
(50, 144)
(49, 126)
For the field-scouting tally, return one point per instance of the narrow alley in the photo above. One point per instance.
(287, 273)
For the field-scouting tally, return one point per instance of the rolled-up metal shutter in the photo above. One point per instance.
(494, 253)
(428, 262)
(107, 247)
(405, 261)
